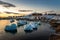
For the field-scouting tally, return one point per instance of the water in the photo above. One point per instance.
(42, 33)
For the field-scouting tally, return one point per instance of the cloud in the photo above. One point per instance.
(10, 12)
(5, 4)
(25, 10)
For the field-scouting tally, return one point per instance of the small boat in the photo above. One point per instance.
(21, 22)
(11, 28)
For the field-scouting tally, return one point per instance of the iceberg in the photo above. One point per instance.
(49, 16)
(38, 23)
(11, 20)
(34, 25)
(11, 28)
(31, 26)
(21, 22)
(28, 28)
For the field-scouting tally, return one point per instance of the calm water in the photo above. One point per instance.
(42, 33)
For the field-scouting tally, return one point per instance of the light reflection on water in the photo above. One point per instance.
(3, 23)
(43, 31)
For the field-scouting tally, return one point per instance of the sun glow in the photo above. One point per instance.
(13, 10)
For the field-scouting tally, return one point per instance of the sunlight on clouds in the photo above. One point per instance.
(25, 7)
(2, 9)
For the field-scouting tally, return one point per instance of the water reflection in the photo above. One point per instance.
(13, 32)
(42, 31)
(28, 31)
(3, 23)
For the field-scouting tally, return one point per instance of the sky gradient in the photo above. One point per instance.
(37, 5)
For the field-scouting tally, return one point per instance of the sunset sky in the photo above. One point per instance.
(36, 5)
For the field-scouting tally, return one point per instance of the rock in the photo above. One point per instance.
(52, 31)
(58, 29)
(53, 23)
(54, 37)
